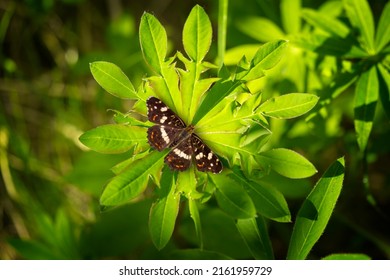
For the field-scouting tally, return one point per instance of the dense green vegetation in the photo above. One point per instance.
(292, 95)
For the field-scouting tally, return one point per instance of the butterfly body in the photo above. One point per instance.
(170, 131)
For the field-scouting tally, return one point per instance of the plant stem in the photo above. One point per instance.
(222, 26)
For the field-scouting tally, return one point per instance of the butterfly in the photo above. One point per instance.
(170, 131)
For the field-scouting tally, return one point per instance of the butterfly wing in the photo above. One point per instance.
(181, 155)
(205, 159)
(168, 126)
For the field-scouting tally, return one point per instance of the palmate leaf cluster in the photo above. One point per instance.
(230, 118)
(363, 49)
(335, 47)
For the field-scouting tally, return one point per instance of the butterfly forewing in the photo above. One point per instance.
(169, 127)
(161, 137)
(159, 113)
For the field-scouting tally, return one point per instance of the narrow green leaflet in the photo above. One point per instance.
(163, 213)
(218, 91)
(197, 34)
(166, 88)
(326, 23)
(384, 86)
(133, 180)
(232, 198)
(341, 82)
(186, 183)
(115, 138)
(194, 212)
(268, 201)
(290, 12)
(289, 105)
(366, 97)
(337, 257)
(258, 242)
(360, 15)
(261, 29)
(265, 58)
(315, 212)
(153, 40)
(287, 163)
(113, 80)
(382, 36)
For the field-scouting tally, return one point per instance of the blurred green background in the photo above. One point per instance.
(50, 184)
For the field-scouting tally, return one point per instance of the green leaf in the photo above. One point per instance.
(166, 87)
(258, 241)
(326, 23)
(268, 201)
(218, 91)
(163, 213)
(384, 88)
(382, 36)
(289, 105)
(153, 40)
(287, 163)
(194, 213)
(339, 85)
(338, 257)
(334, 46)
(112, 79)
(232, 198)
(265, 58)
(261, 29)
(366, 97)
(186, 183)
(133, 180)
(197, 34)
(115, 138)
(290, 12)
(315, 212)
(360, 16)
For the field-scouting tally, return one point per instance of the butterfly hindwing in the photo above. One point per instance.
(205, 159)
(181, 156)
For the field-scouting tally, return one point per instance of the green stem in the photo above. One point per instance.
(222, 26)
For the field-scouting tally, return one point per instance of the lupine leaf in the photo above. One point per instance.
(163, 213)
(115, 138)
(261, 29)
(289, 105)
(153, 40)
(268, 202)
(366, 97)
(315, 212)
(133, 180)
(197, 34)
(382, 36)
(360, 15)
(257, 241)
(232, 198)
(287, 163)
(290, 13)
(326, 23)
(112, 79)
(384, 88)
